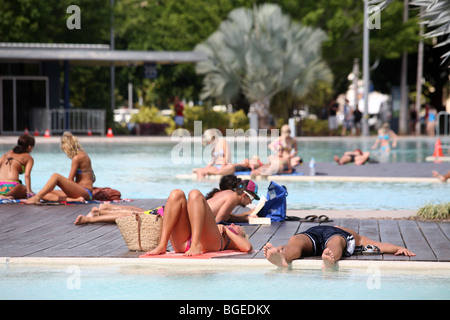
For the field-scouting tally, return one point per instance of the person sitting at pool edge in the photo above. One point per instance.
(331, 243)
(221, 204)
(79, 185)
(14, 163)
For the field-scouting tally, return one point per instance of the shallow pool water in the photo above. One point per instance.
(146, 170)
(200, 283)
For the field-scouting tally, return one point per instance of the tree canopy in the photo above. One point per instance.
(182, 24)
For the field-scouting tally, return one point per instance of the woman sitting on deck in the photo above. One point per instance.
(220, 163)
(79, 185)
(14, 163)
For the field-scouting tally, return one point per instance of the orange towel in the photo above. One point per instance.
(208, 255)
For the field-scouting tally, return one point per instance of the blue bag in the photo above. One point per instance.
(275, 207)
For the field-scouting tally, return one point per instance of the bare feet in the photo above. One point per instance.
(328, 258)
(194, 251)
(274, 255)
(438, 175)
(81, 220)
(94, 212)
(336, 158)
(79, 199)
(33, 200)
(160, 249)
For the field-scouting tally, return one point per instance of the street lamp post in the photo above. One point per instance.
(366, 75)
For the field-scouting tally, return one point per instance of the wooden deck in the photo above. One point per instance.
(49, 231)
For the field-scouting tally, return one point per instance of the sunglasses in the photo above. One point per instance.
(249, 195)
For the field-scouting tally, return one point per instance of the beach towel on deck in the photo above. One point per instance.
(62, 202)
(208, 255)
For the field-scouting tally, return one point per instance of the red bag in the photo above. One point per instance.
(105, 194)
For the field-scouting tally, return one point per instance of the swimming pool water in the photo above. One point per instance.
(145, 170)
(201, 283)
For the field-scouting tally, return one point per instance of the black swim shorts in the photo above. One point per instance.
(320, 235)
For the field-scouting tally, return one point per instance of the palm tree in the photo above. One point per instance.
(436, 15)
(261, 52)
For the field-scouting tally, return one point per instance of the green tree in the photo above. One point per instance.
(261, 52)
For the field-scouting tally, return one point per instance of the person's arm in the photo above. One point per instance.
(74, 167)
(241, 243)
(28, 168)
(387, 247)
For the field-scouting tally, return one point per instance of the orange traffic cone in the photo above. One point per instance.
(26, 131)
(36, 132)
(110, 133)
(47, 133)
(89, 133)
(437, 150)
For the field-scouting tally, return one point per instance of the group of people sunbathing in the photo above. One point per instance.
(191, 223)
(284, 159)
(77, 187)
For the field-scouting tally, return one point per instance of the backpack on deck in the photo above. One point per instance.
(275, 206)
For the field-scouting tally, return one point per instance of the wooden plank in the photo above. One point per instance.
(261, 237)
(438, 242)
(349, 224)
(415, 241)
(390, 232)
(369, 228)
(50, 231)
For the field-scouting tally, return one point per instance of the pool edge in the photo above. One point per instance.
(248, 263)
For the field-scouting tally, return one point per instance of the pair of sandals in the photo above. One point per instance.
(310, 218)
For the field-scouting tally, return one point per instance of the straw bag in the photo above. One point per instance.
(140, 231)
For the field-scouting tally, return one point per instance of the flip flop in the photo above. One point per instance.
(310, 218)
(324, 218)
(370, 249)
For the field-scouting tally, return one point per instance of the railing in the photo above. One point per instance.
(78, 121)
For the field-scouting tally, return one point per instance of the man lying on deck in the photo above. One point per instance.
(221, 204)
(330, 242)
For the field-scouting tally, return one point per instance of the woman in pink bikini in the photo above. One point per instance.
(14, 163)
(79, 185)
(191, 227)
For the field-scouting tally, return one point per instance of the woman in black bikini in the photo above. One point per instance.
(79, 185)
(14, 163)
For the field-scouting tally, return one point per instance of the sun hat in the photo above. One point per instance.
(250, 188)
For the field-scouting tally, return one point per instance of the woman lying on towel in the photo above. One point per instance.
(79, 185)
(191, 227)
(14, 163)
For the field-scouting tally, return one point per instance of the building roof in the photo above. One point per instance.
(91, 54)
